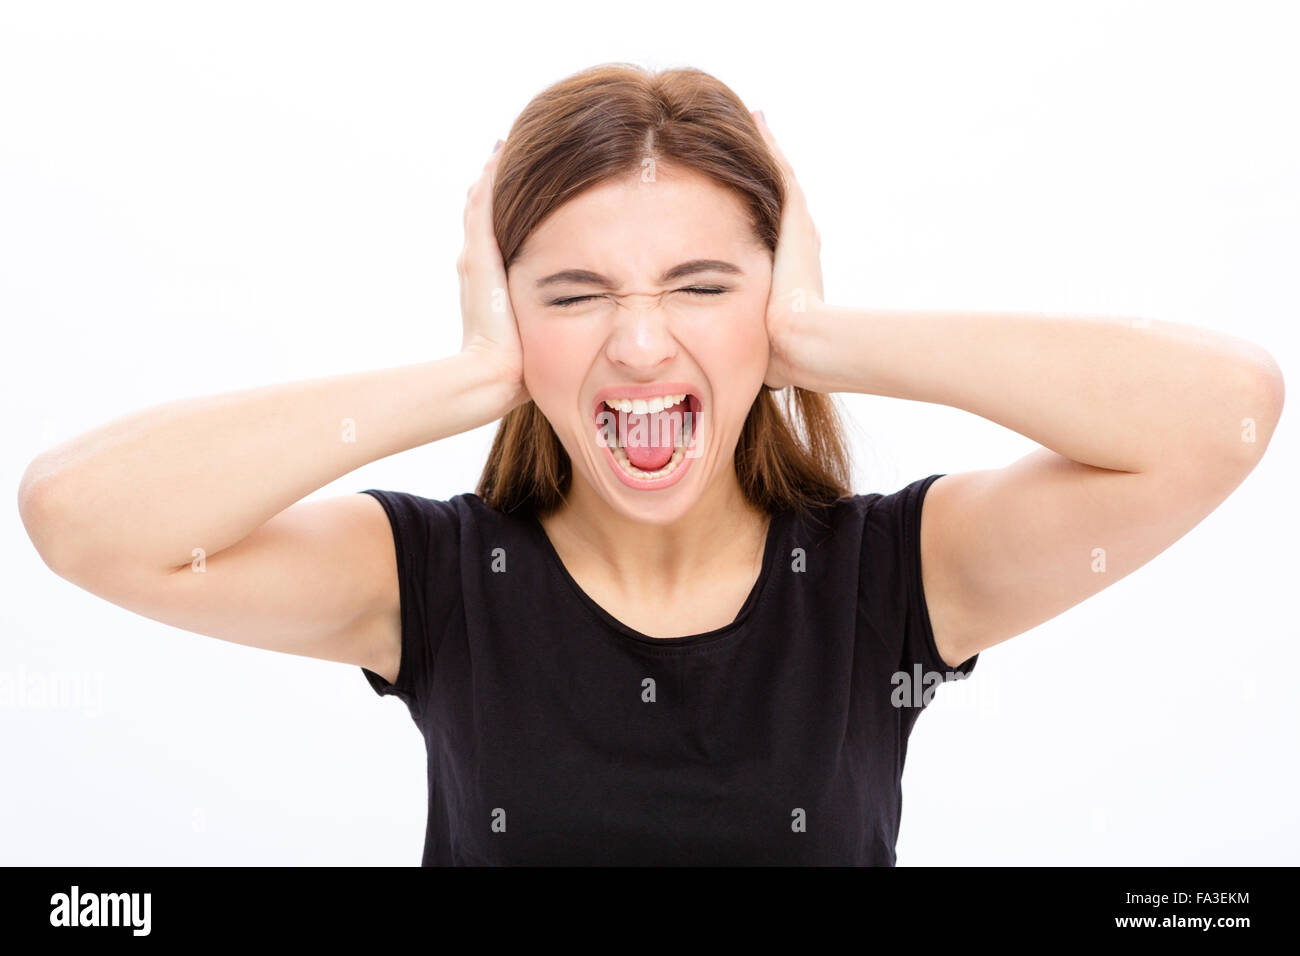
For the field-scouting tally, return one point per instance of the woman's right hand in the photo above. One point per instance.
(486, 313)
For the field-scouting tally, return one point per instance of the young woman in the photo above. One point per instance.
(663, 630)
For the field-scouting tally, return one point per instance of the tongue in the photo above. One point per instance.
(642, 430)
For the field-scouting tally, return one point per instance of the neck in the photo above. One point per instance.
(637, 556)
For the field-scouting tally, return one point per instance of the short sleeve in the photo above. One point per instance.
(892, 583)
(426, 542)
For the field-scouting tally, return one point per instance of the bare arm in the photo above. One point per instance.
(120, 510)
(1146, 427)
(150, 487)
(1146, 430)
(191, 513)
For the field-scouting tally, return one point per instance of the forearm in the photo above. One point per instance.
(149, 487)
(1109, 392)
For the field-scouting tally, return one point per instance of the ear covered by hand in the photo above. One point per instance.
(796, 272)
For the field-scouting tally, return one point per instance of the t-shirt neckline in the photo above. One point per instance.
(748, 609)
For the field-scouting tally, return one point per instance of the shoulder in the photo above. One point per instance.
(409, 509)
(872, 537)
(894, 513)
(463, 507)
(426, 524)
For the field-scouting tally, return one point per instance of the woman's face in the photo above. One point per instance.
(639, 327)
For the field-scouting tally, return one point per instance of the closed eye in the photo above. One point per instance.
(693, 290)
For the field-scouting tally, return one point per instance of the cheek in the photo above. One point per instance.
(732, 343)
(555, 357)
(733, 352)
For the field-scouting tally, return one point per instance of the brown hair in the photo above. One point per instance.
(602, 123)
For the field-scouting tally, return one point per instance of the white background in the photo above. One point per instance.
(200, 198)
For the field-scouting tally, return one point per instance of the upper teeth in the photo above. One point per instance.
(640, 406)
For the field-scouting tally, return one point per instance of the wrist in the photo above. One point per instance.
(804, 340)
(498, 382)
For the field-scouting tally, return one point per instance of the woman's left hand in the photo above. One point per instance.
(796, 275)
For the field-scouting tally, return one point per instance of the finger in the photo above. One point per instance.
(766, 130)
(485, 177)
(771, 140)
(787, 170)
(478, 204)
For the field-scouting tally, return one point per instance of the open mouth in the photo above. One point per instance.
(649, 440)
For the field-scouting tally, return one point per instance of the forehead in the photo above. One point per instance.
(632, 228)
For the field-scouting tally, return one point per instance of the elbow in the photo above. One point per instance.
(1274, 385)
(1252, 411)
(1266, 394)
(1228, 428)
(43, 518)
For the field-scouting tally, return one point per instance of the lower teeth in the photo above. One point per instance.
(620, 455)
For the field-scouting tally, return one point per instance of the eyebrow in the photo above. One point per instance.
(586, 277)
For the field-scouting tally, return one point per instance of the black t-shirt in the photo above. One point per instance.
(556, 735)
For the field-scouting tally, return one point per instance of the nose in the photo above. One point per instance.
(640, 338)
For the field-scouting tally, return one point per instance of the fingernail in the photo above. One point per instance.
(497, 146)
